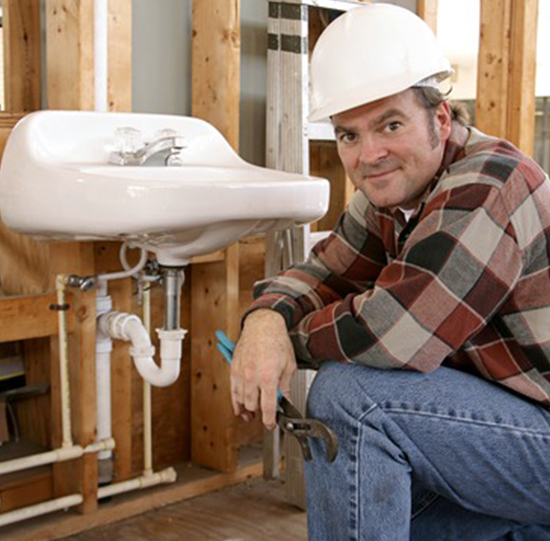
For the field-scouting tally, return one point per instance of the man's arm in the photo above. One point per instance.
(456, 269)
(349, 261)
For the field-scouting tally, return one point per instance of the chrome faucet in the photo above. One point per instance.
(172, 145)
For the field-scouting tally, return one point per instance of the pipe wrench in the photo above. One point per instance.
(289, 418)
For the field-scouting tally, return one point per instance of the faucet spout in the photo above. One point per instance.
(172, 146)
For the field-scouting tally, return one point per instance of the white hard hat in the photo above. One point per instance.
(369, 53)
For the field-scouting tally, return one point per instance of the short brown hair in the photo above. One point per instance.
(430, 98)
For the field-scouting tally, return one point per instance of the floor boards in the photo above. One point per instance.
(252, 511)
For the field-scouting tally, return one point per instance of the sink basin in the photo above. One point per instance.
(56, 184)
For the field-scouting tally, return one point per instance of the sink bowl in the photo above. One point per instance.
(56, 184)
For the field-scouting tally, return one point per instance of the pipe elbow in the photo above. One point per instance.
(130, 328)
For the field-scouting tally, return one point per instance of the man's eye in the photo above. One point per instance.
(348, 137)
(393, 126)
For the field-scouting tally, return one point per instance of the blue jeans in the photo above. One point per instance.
(445, 456)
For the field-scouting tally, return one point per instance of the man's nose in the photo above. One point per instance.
(372, 151)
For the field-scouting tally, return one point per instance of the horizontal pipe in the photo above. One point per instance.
(40, 509)
(57, 455)
(165, 476)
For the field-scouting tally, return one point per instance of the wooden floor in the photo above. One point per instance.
(252, 511)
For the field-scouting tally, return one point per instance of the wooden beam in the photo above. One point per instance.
(214, 306)
(22, 54)
(215, 286)
(30, 317)
(523, 65)
(70, 56)
(216, 54)
(505, 104)
(120, 56)
(427, 10)
(77, 476)
(492, 68)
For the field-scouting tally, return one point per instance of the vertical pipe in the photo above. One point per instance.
(101, 17)
(103, 348)
(173, 280)
(147, 408)
(60, 284)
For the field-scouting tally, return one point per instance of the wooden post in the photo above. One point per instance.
(70, 67)
(120, 56)
(523, 65)
(427, 10)
(21, 23)
(215, 286)
(70, 54)
(492, 68)
(506, 71)
(77, 476)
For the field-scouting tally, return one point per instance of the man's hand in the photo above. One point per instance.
(262, 362)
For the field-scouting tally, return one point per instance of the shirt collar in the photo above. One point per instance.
(455, 150)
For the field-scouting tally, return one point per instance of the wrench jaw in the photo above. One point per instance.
(302, 429)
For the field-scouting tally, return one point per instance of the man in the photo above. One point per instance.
(426, 310)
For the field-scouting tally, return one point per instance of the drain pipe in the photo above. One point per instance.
(149, 478)
(103, 348)
(129, 327)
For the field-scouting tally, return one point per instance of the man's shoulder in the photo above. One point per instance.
(491, 161)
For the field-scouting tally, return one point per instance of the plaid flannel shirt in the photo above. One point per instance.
(464, 283)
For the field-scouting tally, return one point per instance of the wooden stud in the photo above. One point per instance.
(522, 75)
(120, 56)
(30, 317)
(22, 54)
(493, 62)
(506, 71)
(214, 306)
(70, 55)
(427, 10)
(215, 286)
(216, 54)
(78, 476)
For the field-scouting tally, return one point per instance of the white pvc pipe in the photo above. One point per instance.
(165, 476)
(57, 455)
(67, 440)
(129, 327)
(40, 509)
(101, 18)
(103, 348)
(147, 406)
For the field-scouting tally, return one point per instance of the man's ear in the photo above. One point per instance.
(443, 117)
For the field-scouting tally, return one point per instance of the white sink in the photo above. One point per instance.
(56, 184)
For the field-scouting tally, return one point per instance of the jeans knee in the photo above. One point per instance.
(334, 389)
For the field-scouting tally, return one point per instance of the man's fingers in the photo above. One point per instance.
(268, 403)
(236, 394)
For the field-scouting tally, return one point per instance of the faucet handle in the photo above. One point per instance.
(164, 133)
(128, 140)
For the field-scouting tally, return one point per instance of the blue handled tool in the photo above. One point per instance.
(289, 419)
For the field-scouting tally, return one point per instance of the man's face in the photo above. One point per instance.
(391, 148)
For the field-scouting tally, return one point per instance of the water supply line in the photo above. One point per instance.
(60, 286)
